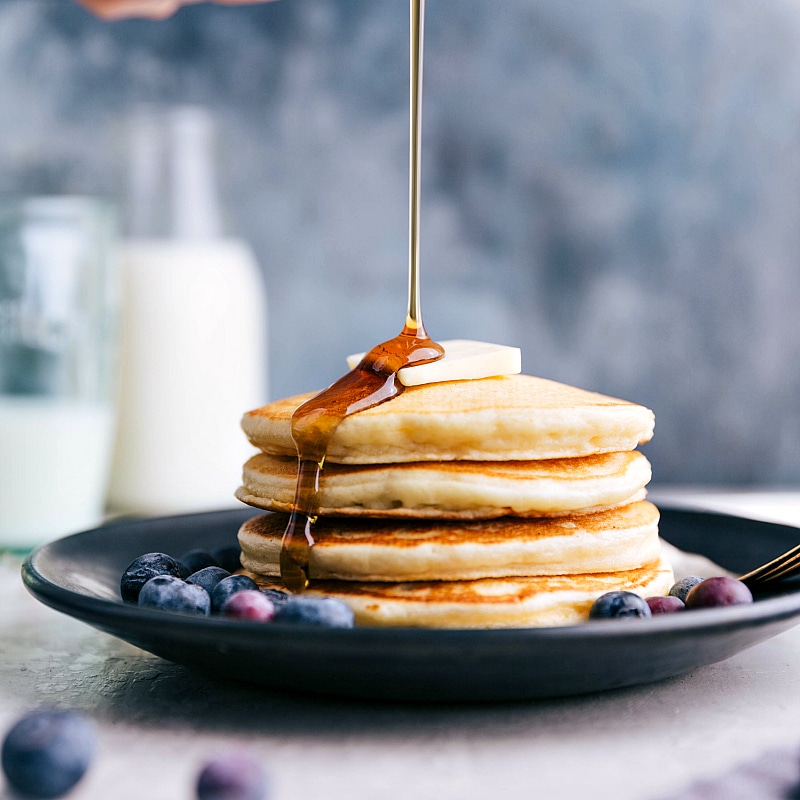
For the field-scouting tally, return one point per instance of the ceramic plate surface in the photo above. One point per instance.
(79, 575)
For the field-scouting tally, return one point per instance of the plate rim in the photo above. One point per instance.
(96, 610)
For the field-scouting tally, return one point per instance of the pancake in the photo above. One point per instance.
(454, 489)
(488, 603)
(509, 418)
(376, 550)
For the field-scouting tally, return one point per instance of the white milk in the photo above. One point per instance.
(54, 459)
(193, 361)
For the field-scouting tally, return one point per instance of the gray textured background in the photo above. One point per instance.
(614, 185)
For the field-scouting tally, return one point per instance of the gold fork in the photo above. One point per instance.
(781, 567)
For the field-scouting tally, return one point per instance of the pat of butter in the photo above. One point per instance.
(463, 360)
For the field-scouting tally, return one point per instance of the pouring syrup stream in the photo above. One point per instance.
(374, 380)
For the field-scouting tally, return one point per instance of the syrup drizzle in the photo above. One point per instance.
(374, 380)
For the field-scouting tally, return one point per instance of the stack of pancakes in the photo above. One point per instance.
(501, 502)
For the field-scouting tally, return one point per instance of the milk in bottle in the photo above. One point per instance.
(193, 327)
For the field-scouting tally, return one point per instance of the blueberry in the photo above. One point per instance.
(168, 593)
(208, 578)
(229, 586)
(619, 605)
(228, 558)
(195, 560)
(231, 776)
(720, 591)
(276, 595)
(665, 605)
(249, 604)
(320, 611)
(47, 752)
(142, 570)
(684, 586)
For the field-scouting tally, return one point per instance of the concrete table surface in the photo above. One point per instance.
(157, 722)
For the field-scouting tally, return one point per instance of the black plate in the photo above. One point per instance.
(79, 575)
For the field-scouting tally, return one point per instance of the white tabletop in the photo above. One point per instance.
(157, 722)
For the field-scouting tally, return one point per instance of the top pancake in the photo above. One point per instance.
(509, 418)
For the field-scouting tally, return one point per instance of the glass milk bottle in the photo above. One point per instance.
(193, 327)
(58, 321)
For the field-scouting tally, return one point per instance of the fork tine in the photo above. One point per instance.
(789, 567)
(777, 572)
(779, 567)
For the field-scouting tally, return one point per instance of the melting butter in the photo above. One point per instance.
(463, 360)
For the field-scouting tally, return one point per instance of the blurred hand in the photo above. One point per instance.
(151, 9)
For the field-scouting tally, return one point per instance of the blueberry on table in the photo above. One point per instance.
(619, 605)
(682, 587)
(47, 752)
(232, 776)
(196, 560)
(720, 591)
(168, 593)
(320, 611)
(208, 578)
(228, 558)
(142, 570)
(229, 586)
(665, 605)
(249, 604)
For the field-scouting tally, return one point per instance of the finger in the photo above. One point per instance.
(122, 9)
(150, 9)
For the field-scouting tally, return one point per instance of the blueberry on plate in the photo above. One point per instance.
(228, 558)
(720, 591)
(664, 605)
(277, 596)
(195, 560)
(231, 776)
(320, 611)
(47, 752)
(249, 604)
(208, 578)
(682, 587)
(142, 570)
(619, 605)
(229, 586)
(168, 593)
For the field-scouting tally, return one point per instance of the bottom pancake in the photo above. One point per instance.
(487, 603)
